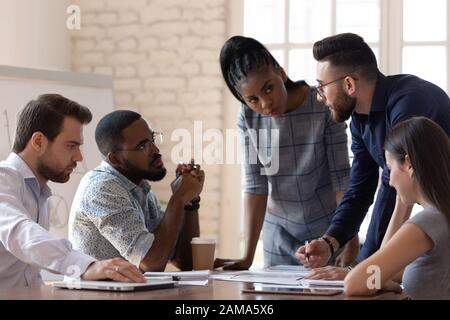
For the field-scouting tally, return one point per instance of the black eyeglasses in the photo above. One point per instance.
(319, 87)
(157, 140)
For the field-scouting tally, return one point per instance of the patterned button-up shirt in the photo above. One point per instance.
(113, 217)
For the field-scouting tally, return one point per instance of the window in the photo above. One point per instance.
(289, 28)
(407, 36)
(429, 38)
(400, 32)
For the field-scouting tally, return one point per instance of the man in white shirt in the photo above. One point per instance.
(46, 147)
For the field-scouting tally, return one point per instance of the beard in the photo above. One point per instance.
(152, 174)
(343, 107)
(50, 172)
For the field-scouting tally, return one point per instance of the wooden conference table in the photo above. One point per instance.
(214, 290)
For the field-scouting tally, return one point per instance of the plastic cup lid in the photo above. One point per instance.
(203, 241)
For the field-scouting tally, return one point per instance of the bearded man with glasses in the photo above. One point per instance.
(351, 85)
(115, 213)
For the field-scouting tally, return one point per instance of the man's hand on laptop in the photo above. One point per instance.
(116, 269)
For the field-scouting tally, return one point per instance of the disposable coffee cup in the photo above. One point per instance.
(203, 253)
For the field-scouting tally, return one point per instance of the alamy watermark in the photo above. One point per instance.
(73, 277)
(374, 280)
(258, 147)
(73, 21)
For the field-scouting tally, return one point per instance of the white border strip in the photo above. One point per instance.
(64, 77)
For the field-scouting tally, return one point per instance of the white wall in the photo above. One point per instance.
(163, 56)
(33, 33)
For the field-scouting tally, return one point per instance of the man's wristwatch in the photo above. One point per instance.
(194, 205)
(352, 265)
(328, 241)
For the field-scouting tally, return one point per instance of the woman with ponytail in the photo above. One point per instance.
(415, 250)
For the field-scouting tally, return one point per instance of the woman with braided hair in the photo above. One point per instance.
(295, 157)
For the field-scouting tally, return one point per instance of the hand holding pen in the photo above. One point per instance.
(313, 254)
(306, 251)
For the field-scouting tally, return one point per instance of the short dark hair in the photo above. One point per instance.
(350, 51)
(240, 56)
(108, 134)
(46, 114)
(428, 148)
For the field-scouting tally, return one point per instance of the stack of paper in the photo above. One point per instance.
(307, 282)
(263, 276)
(323, 283)
(288, 268)
(193, 278)
(287, 276)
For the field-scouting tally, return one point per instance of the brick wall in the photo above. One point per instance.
(163, 56)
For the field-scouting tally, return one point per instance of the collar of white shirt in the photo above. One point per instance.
(15, 161)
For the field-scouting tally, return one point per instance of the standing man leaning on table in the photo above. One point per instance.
(350, 84)
(46, 147)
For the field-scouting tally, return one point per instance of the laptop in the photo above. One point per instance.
(114, 285)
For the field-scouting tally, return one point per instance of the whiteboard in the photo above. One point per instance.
(20, 85)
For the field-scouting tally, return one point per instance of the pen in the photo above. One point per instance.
(306, 254)
(194, 166)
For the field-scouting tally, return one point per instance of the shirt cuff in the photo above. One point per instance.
(76, 264)
(339, 234)
(141, 247)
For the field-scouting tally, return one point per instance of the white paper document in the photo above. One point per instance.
(181, 275)
(262, 276)
(301, 286)
(288, 268)
(275, 273)
(192, 282)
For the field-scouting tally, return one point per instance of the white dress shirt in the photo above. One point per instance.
(26, 246)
